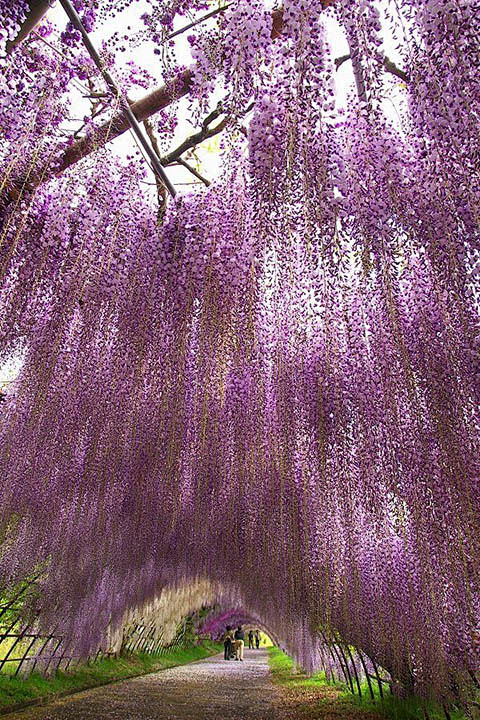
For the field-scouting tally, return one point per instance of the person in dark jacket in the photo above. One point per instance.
(250, 639)
(257, 638)
(228, 641)
(239, 643)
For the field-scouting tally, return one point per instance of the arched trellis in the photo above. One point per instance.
(29, 649)
(220, 617)
(341, 661)
(26, 647)
(292, 591)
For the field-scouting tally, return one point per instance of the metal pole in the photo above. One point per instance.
(75, 19)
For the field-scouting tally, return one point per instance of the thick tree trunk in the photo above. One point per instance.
(111, 129)
(38, 9)
(142, 109)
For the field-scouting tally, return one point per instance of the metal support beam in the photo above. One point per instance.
(157, 166)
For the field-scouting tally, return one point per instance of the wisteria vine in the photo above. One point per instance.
(277, 387)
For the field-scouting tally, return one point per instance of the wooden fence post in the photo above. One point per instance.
(379, 682)
(369, 682)
(354, 670)
(348, 669)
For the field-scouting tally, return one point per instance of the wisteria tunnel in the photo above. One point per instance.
(239, 333)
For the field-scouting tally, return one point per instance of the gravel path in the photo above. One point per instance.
(206, 690)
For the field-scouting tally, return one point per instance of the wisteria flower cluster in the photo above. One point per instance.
(276, 389)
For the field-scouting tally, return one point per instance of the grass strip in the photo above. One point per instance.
(312, 698)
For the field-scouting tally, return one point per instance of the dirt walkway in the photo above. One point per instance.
(211, 689)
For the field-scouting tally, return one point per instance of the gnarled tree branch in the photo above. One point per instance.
(388, 64)
(211, 14)
(194, 171)
(194, 140)
(109, 130)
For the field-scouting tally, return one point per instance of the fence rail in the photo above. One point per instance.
(23, 647)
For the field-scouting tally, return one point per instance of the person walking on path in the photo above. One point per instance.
(257, 639)
(228, 641)
(250, 639)
(239, 643)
